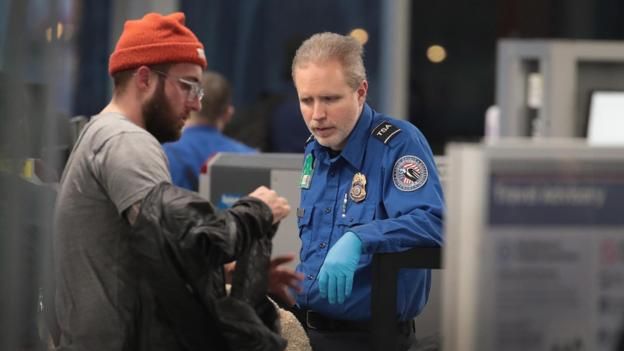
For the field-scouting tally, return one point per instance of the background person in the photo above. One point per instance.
(202, 135)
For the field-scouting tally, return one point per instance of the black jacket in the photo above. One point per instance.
(180, 245)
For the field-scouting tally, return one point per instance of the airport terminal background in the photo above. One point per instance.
(437, 64)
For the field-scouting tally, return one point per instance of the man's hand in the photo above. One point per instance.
(279, 205)
(282, 279)
(336, 274)
(228, 270)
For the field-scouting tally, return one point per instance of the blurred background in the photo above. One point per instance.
(432, 63)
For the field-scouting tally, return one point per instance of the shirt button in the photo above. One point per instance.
(327, 209)
(332, 173)
(323, 245)
(310, 277)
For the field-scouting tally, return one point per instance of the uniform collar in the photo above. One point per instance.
(355, 148)
(356, 144)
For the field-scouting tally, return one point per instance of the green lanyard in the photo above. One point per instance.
(306, 173)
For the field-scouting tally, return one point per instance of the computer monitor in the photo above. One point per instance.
(230, 176)
(605, 125)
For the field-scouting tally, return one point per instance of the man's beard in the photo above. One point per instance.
(159, 117)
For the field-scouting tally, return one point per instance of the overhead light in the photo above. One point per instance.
(436, 53)
(360, 35)
(59, 30)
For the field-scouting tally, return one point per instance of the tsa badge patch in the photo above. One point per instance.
(409, 173)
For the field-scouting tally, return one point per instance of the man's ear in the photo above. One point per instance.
(142, 77)
(361, 91)
(227, 116)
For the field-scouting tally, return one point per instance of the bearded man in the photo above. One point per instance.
(138, 261)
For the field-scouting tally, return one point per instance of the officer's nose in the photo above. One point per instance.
(318, 111)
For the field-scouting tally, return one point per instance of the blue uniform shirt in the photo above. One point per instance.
(197, 143)
(403, 208)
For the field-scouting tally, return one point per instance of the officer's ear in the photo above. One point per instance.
(361, 91)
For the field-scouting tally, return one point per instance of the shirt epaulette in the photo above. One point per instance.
(385, 131)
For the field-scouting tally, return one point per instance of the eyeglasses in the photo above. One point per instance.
(193, 89)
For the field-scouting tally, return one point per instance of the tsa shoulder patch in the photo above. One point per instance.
(409, 173)
(385, 131)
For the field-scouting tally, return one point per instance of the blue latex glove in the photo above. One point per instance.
(336, 275)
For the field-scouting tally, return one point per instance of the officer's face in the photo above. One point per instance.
(330, 107)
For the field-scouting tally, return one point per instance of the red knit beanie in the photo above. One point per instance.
(156, 39)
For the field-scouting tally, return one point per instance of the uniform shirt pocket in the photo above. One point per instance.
(356, 215)
(304, 215)
(304, 223)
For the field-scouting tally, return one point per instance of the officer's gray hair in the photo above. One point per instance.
(323, 47)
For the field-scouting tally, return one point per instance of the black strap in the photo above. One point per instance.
(313, 320)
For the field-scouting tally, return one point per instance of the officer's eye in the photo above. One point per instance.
(332, 98)
(306, 100)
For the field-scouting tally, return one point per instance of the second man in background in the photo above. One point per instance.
(202, 135)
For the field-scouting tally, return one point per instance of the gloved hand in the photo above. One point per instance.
(336, 275)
